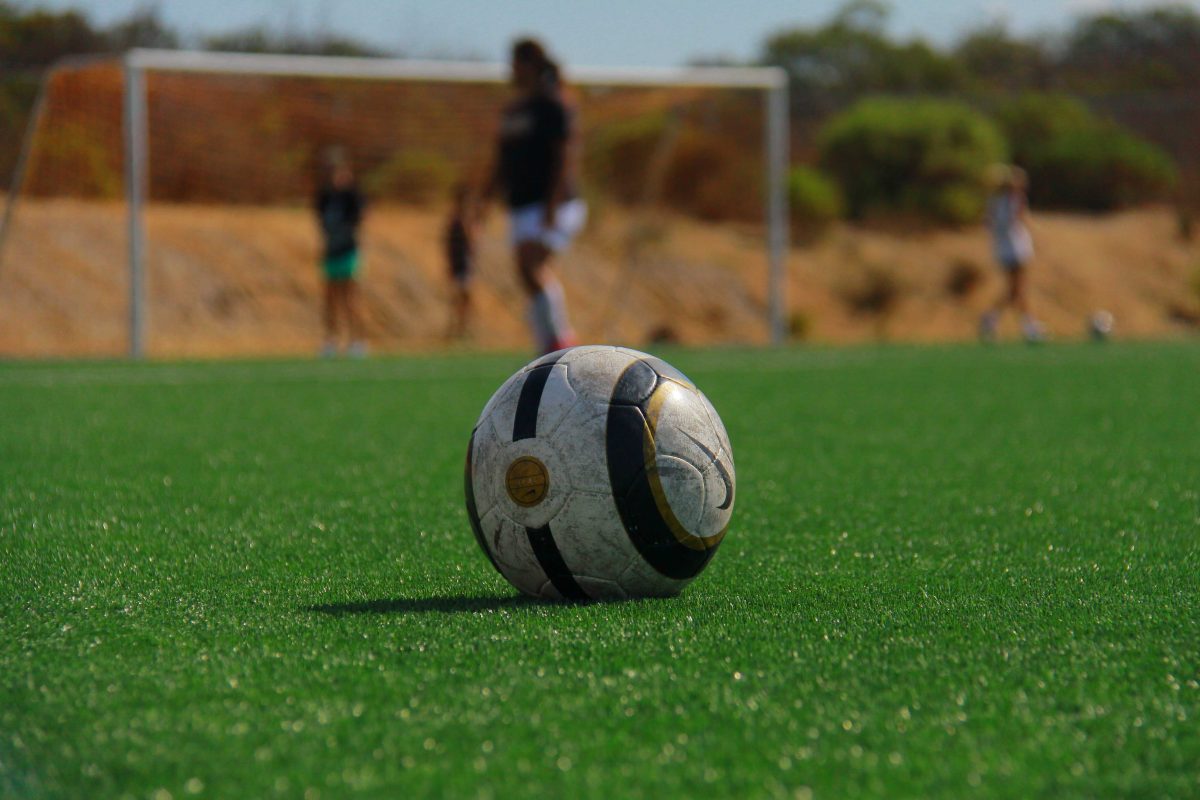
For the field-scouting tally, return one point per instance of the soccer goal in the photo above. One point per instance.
(162, 202)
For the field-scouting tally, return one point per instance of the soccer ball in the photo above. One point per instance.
(599, 473)
(1100, 326)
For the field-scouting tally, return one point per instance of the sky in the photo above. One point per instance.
(584, 32)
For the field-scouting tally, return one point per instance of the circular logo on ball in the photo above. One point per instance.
(527, 481)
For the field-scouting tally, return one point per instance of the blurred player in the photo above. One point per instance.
(536, 170)
(460, 256)
(340, 208)
(1007, 215)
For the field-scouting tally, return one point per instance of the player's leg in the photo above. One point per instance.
(533, 270)
(462, 306)
(1016, 290)
(568, 222)
(1031, 329)
(329, 319)
(353, 317)
(989, 323)
(453, 320)
(535, 244)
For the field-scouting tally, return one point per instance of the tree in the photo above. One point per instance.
(262, 40)
(39, 37)
(996, 60)
(851, 56)
(143, 29)
(1134, 50)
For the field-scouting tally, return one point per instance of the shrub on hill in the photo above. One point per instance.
(815, 202)
(923, 158)
(1100, 170)
(656, 158)
(1077, 160)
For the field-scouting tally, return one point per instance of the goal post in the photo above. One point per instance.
(142, 145)
(136, 162)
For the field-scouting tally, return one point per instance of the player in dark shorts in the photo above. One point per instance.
(340, 208)
(460, 257)
(536, 171)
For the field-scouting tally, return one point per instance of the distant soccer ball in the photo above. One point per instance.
(1100, 326)
(599, 473)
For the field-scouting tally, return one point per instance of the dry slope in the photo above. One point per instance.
(242, 280)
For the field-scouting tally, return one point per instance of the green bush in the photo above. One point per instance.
(800, 326)
(1100, 170)
(1035, 118)
(925, 158)
(656, 158)
(78, 163)
(815, 202)
(412, 176)
(1077, 160)
(17, 95)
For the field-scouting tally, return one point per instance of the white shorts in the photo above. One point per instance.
(529, 223)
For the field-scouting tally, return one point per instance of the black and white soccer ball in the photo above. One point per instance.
(599, 473)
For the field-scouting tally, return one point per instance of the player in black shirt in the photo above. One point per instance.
(536, 172)
(340, 207)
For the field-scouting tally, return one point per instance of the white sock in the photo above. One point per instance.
(541, 319)
(558, 310)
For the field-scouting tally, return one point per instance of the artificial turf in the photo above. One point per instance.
(952, 572)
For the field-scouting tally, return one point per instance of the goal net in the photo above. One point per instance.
(163, 204)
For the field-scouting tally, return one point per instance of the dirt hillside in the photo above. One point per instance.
(243, 281)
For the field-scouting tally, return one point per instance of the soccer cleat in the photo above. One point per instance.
(561, 343)
(357, 349)
(1033, 331)
(328, 349)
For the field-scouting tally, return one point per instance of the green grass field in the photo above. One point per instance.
(952, 572)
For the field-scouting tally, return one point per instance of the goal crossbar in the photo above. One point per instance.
(454, 71)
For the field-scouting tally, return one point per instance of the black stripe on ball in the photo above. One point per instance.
(541, 540)
(551, 561)
(625, 439)
(525, 419)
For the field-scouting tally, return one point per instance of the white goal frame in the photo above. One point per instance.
(771, 80)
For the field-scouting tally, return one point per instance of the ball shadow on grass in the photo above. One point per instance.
(445, 604)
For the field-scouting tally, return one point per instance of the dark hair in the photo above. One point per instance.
(551, 76)
(531, 51)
